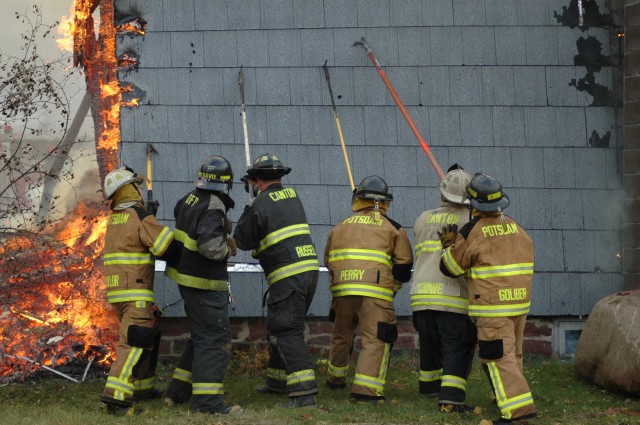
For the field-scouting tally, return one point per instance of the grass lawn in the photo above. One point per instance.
(561, 396)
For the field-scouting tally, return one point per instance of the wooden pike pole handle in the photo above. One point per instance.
(405, 113)
(335, 114)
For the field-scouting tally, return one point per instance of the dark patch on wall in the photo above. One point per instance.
(132, 95)
(591, 16)
(589, 55)
(595, 141)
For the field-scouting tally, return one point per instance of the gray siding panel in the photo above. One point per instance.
(490, 84)
(437, 12)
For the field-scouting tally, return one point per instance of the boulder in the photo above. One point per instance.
(608, 351)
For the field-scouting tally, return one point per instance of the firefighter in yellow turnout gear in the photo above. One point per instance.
(496, 256)
(133, 238)
(369, 257)
(440, 303)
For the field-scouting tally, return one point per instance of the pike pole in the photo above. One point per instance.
(152, 205)
(405, 113)
(243, 112)
(335, 115)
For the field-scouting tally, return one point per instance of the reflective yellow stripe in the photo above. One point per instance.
(499, 310)
(451, 264)
(501, 271)
(384, 364)
(281, 234)
(362, 290)
(276, 374)
(514, 403)
(430, 375)
(292, 269)
(144, 384)
(207, 388)
(459, 303)
(337, 371)
(190, 244)
(117, 384)
(126, 295)
(196, 282)
(369, 382)
(428, 246)
(301, 376)
(182, 375)
(131, 258)
(498, 388)
(454, 381)
(360, 254)
(162, 242)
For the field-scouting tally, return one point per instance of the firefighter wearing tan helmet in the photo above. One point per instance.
(369, 257)
(440, 303)
(496, 256)
(133, 238)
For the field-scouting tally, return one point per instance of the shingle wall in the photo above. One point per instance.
(513, 88)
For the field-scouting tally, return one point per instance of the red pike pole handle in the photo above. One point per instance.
(405, 113)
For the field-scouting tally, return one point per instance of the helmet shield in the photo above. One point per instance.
(215, 174)
(373, 187)
(485, 193)
(267, 167)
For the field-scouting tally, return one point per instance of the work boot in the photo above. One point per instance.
(147, 395)
(118, 409)
(522, 420)
(230, 410)
(265, 389)
(336, 386)
(300, 402)
(360, 399)
(459, 408)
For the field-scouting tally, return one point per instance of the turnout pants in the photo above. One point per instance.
(133, 372)
(447, 346)
(203, 364)
(377, 321)
(500, 349)
(290, 368)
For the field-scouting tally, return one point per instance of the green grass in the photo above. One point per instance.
(561, 396)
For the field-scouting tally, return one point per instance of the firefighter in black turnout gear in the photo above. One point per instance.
(275, 227)
(202, 229)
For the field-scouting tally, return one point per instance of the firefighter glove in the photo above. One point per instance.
(448, 235)
(233, 248)
(228, 225)
(152, 207)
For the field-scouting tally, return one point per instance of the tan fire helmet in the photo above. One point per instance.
(119, 178)
(453, 185)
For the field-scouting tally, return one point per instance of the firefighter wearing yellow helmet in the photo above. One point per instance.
(133, 238)
(440, 303)
(495, 255)
(369, 257)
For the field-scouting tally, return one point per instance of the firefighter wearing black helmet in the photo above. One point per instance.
(275, 228)
(369, 257)
(202, 229)
(495, 255)
(440, 303)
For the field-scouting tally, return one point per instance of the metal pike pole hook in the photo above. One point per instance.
(405, 113)
(243, 112)
(335, 114)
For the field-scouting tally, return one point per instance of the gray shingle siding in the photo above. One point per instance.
(490, 84)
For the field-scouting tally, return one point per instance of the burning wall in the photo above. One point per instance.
(52, 302)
